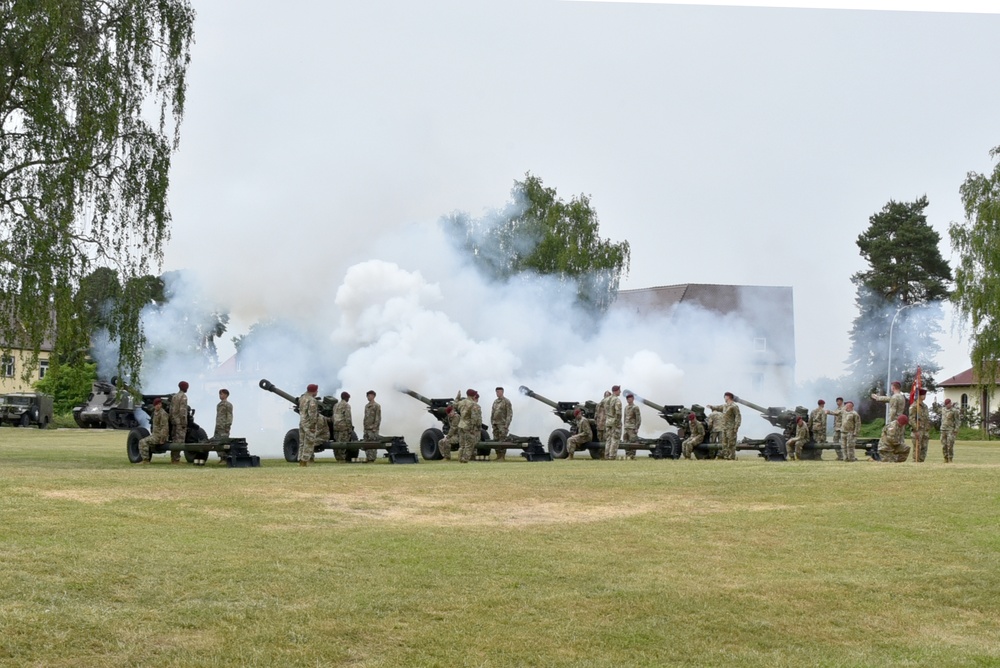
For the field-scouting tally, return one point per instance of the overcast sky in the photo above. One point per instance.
(740, 145)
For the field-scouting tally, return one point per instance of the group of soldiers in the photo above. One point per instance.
(892, 444)
(465, 418)
(314, 427)
(172, 427)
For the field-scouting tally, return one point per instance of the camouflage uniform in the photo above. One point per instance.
(469, 429)
(601, 418)
(920, 424)
(343, 426)
(794, 445)
(500, 418)
(159, 435)
(817, 424)
(450, 441)
(309, 420)
(892, 445)
(714, 422)
(613, 426)
(731, 420)
(633, 420)
(372, 423)
(949, 425)
(695, 435)
(178, 421)
(223, 423)
(584, 434)
(838, 422)
(897, 405)
(850, 429)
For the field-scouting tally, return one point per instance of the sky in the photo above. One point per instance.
(727, 144)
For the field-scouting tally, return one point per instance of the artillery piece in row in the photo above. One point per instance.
(397, 452)
(194, 443)
(531, 446)
(667, 446)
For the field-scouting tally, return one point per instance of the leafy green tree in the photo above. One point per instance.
(69, 384)
(907, 280)
(91, 100)
(977, 278)
(538, 232)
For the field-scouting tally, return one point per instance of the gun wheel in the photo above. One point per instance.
(132, 444)
(557, 444)
(290, 446)
(429, 444)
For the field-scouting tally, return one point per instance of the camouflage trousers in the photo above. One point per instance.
(630, 437)
(600, 434)
(893, 452)
(575, 443)
(728, 444)
(307, 445)
(220, 435)
(688, 446)
(467, 442)
(920, 442)
(794, 447)
(371, 454)
(716, 437)
(178, 434)
(850, 442)
(611, 445)
(341, 435)
(947, 445)
(500, 434)
(144, 449)
(447, 444)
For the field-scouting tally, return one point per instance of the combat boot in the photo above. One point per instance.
(303, 462)
(570, 456)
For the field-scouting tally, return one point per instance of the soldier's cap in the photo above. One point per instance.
(841, 399)
(157, 401)
(470, 392)
(629, 395)
(730, 395)
(224, 390)
(923, 391)
(849, 402)
(312, 387)
(370, 393)
(821, 403)
(692, 416)
(449, 409)
(616, 388)
(947, 402)
(183, 385)
(896, 383)
(345, 396)
(499, 389)
(577, 411)
(902, 419)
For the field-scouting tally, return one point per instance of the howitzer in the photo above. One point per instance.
(676, 415)
(531, 446)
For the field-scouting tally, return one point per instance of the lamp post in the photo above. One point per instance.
(888, 373)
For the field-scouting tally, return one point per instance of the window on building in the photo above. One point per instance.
(7, 366)
(239, 365)
(757, 381)
(965, 401)
(759, 344)
(43, 368)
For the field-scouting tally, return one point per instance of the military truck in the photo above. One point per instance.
(667, 446)
(531, 446)
(107, 406)
(397, 452)
(26, 408)
(194, 443)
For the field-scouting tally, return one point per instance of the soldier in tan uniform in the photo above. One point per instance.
(343, 424)
(896, 401)
(714, 422)
(160, 433)
(178, 419)
(949, 425)
(850, 429)
(920, 426)
(892, 447)
(500, 418)
(371, 424)
(309, 419)
(633, 420)
(613, 425)
(223, 421)
(817, 422)
(601, 416)
(794, 445)
(450, 441)
(583, 434)
(470, 426)
(838, 419)
(731, 420)
(695, 435)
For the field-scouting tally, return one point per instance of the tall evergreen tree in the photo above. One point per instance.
(907, 280)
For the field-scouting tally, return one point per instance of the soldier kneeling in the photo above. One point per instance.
(583, 433)
(891, 446)
(160, 433)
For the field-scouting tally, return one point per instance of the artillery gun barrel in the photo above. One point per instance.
(652, 404)
(415, 395)
(748, 404)
(265, 384)
(528, 392)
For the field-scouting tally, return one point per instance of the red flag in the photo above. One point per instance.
(915, 390)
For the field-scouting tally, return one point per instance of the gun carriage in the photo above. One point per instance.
(397, 451)
(531, 446)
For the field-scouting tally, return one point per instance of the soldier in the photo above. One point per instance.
(838, 421)
(450, 441)
(897, 402)
(601, 416)
(309, 418)
(500, 418)
(469, 426)
(178, 419)
(793, 447)
(714, 422)
(731, 421)
(695, 435)
(949, 424)
(372, 423)
(223, 422)
(817, 422)
(583, 434)
(850, 429)
(892, 445)
(160, 433)
(633, 420)
(920, 425)
(613, 424)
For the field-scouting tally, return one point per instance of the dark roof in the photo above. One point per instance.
(964, 379)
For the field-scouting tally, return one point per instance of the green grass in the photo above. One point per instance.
(583, 563)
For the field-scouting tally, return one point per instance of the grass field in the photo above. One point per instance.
(582, 563)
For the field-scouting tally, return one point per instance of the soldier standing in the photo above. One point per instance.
(949, 425)
(601, 416)
(160, 433)
(838, 421)
(850, 429)
(500, 418)
(897, 402)
(633, 420)
(179, 419)
(583, 433)
(343, 424)
(714, 422)
(794, 445)
(817, 422)
(450, 441)
(223, 422)
(892, 445)
(695, 435)
(469, 426)
(372, 423)
(613, 425)
(309, 418)
(920, 425)
(731, 420)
